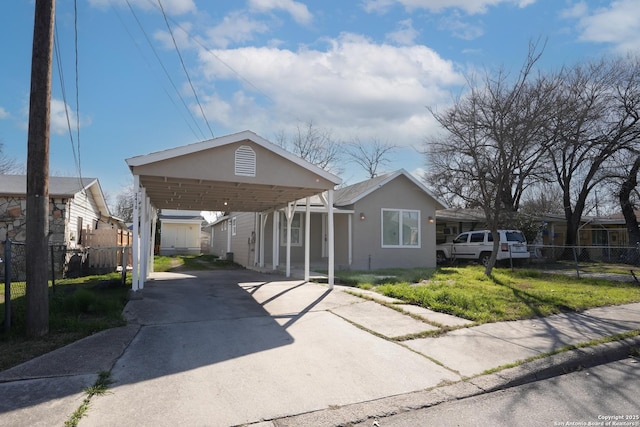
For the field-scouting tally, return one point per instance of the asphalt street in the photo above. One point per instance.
(604, 395)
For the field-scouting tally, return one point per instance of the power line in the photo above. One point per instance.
(75, 31)
(166, 72)
(185, 68)
(56, 45)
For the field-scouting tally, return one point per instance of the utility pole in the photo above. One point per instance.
(37, 233)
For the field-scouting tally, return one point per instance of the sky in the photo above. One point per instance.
(359, 69)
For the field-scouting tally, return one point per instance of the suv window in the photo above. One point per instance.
(477, 237)
(515, 236)
(461, 238)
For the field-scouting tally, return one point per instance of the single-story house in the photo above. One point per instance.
(78, 212)
(384, 222)
(179, 232)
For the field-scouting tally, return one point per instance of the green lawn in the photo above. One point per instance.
(467, 292)
(77, 308)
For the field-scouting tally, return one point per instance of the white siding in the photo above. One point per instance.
(84, 206)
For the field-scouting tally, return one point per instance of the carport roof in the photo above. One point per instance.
(207, 175)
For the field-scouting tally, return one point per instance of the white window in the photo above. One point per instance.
(400, 228)
(233, 226)
(296, 230)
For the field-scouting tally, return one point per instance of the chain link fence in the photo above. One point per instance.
(63, 262)
(545, 255)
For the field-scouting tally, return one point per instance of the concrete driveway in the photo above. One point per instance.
(221, 348)
(234, 347)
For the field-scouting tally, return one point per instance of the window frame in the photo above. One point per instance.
(401, 237)
(283, 229)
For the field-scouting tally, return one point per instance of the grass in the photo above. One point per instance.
(466, 291)
(99, 388)
(77, 308)
(190, 262)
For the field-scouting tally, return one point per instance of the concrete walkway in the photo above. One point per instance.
(221, 348)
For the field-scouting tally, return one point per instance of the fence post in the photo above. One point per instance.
(7, 285)
(123, 262)
(575, 257)
(53, 270)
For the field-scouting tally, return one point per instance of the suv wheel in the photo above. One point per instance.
(484, 258)
(440, 257)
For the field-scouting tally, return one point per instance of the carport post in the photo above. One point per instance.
(135, 255)
(307, 233)
(263, 224)
(330, 239)
(276, 239)
(144, 235)
(289, 212)
(154, 223)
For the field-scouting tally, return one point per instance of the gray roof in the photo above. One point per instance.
(58, 186)
(461, 214)
(352, 193)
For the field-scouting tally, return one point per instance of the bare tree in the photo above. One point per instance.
(124, 203)
(597, 113)
(491, 151)
(370, 156)
(629, 185)
(313, 144)
(8, 165)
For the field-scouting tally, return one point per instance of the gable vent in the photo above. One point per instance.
(245, 161)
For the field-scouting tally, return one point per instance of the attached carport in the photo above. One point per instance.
(242, 172)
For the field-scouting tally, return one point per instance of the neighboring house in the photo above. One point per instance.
(180, 232)
(384, 222)
(78, 212)
(453, 221)
(610, 231)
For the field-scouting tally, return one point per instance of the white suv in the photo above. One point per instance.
(478, 245)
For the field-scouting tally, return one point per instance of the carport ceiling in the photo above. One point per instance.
(241, 173)
(196, 194)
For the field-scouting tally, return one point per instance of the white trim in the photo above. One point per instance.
(307, 233)
(331, 262)
(245, 161)
(400, 245)
(135, 256)
(350, 238)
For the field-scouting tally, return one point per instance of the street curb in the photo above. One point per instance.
(536, 370)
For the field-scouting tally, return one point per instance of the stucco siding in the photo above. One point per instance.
(368, 251)
(219, 239)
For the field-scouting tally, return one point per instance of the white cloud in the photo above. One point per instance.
(460, 29)
(297, 10)
(3, 114)
(59, 122)
(405, 34)
(171, 7)
(469, 6)
(237, 27)
(617, 24)
(378, 6)
(355, 87)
